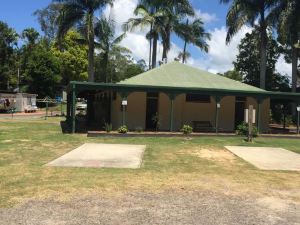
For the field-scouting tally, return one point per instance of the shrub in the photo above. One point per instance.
(139, 129)
(242, 129)
(156, 121)
(186, 129)
(108, 127)
(123, 129)
(288, 120)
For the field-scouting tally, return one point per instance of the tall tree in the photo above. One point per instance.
(242, 12)
(174, 11)
(82, 12)
(8, 40)
(30, 35)
(72, 58)
(43, 71)
(47, 18)
(106, 40)
(30, 40)
(148, 16)
(248, 67)
(286, 19)
(192, 33)
(233, 74)
(121, 65)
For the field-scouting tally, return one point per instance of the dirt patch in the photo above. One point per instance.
(169, 207)
(219, 155)
(274, 203)
(6, 141)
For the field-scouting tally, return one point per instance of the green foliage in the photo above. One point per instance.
(47, 18)
(72, 58)
(121, 66)
(30, 35)
(163, 18)
(248, 65)
(233, 74)
(139, 129)
(287, 120)
(108, 127)
(186, 129)
(43, 71)
(81, 13)
(156, 121)
(193, 33)
(123, 129)
(243, 130)
(8, 39)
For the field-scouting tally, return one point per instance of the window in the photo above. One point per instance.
(197, 98)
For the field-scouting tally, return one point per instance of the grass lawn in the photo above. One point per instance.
(169, 163)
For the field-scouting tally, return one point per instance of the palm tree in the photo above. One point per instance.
(174, 11)
(193, 33)
(106, 39)
(242, 12)
(183, 56)
(149, 16)
(31, 35)
(74, 12)
(285, 17)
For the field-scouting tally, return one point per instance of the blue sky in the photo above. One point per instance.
(19, 15)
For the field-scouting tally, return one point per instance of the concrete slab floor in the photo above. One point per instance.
(268, 158)
(102, 155)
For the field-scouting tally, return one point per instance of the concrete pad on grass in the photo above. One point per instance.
(102, 155)
(268, 158)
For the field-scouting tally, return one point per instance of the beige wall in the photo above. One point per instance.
(184, 112)
(264, 110)
(135, 114)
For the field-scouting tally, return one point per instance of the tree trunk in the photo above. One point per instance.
(263, 52)
(166, 43)
(105, 60)
(294, 68)
(154, 52)
(184, 52)
(91, 43)
(164, 54)
(185, 43)
(150, 47)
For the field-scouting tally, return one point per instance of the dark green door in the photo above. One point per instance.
(151, 110)
(240, 104)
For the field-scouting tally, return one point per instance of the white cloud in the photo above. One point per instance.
(218, 59)
(121, 11)
(220, 55)
(206, 17)
(283, 67)
(136, 41)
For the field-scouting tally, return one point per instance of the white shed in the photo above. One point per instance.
(20, 101)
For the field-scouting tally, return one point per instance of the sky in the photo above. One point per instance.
(19, 15)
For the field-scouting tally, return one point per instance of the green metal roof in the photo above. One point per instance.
(176, 74)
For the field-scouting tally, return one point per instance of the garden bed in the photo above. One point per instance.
(153, 134)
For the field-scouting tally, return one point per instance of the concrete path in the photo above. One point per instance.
(102, 155)
(268, 158)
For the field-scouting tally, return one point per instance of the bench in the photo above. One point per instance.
(199, 126)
